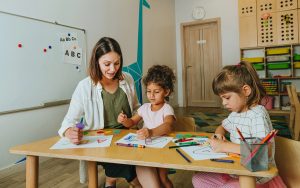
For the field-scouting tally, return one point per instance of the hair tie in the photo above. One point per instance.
(238, 65)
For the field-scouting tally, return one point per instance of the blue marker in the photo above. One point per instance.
(222, 160)
(80, 125)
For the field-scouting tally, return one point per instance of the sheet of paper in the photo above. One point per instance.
(87, 142)
(201, 152)
(154, 142)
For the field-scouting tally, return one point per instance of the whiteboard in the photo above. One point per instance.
(40, 62)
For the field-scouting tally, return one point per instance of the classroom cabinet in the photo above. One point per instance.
(277, 66)
(268, 22)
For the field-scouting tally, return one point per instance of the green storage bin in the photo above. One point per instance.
(297, 57)
(258, 66)
(274, 66)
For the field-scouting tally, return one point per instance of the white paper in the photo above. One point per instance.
(64, 143)
(201, 152)
(156, 142)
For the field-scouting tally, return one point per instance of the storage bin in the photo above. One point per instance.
(254, 155)
(275, 51)
(297, 65)
(273, 66)
(258, 66)
(297, 57)
(278, 58)
(253, 59)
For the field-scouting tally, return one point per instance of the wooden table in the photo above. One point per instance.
(165, 158)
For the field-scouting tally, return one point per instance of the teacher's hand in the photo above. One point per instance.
(74, 134)
(121, 117)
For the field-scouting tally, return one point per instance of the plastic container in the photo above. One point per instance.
(253, 59)
(297, 65)
(296, 57)
(273, 66)
(275, 51)
(278, 58)
(258, 66)
(254, 156)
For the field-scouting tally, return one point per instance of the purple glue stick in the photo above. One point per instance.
(80, 125)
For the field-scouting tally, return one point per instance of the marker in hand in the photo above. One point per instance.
(80, 125)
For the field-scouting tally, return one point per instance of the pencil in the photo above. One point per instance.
(241, 135)
(131, 145)
(182, 155)
(170, 147)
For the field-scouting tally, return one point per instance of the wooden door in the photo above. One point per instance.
(202, 61)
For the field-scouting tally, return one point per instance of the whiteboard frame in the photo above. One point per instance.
(51, 103)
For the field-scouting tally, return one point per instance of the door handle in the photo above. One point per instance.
(189, 66)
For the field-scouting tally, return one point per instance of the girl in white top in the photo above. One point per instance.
(241, 92)
(158, 116)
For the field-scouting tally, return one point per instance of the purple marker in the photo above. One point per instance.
(80, 125)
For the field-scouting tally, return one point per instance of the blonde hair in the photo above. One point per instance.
(232, 78)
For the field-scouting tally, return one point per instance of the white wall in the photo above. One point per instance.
(114, 18)
(227, 10)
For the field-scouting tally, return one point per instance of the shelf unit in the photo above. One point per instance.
(277, 66)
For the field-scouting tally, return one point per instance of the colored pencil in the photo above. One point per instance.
(131, 145)
(171, 147)
(222, 160)
(182, 155)
(241, 135)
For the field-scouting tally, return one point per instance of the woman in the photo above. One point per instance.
(100, 98)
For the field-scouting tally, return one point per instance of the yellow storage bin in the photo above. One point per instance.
(297, 65)
(253, 59)
(275, 51)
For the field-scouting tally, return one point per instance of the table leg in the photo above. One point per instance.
(93, 174)
(247, 181)
(32, 171)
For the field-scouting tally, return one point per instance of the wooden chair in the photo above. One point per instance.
(287, 157)
(294, 124)
(185, 124)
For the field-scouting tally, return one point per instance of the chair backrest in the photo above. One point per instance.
(294, 95)
(294, 124)
(290, 94)
(185, 124)
(287, 157)
(297, 113)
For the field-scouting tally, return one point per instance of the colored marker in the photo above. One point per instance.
(222, 160)
(182, 155)
(80, 125)
(131, 145)
(183, 140)
(171, 147)
(187, 143)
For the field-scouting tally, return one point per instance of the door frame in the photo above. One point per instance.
(183, 56)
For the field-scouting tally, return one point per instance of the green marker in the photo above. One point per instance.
(187, 143)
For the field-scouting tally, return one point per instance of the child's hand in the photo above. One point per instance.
(143, 133)
(216, 144)
(122, 117)
(218, 136)
(74, 134)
